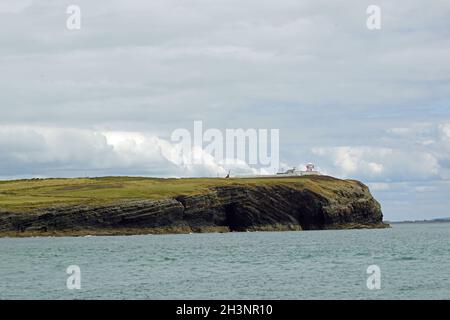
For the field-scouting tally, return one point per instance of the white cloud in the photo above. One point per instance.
(379, 186)
(421, 189)
(378, 163)
(419, 151)
(445, 130)
(49, 151)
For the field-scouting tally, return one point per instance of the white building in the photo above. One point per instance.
(310, 170)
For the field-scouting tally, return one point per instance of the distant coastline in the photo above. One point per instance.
(437, 220)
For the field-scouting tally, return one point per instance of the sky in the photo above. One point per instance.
(372, 105)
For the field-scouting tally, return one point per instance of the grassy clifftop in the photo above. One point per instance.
(29, 195)
(127, 205)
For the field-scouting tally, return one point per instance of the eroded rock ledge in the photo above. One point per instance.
(275, 206)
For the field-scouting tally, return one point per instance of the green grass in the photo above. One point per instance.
(28, 195)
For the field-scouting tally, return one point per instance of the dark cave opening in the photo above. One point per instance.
(232, 218)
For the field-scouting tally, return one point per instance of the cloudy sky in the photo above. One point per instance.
(367, 104)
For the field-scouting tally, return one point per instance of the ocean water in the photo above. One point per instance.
(414, 260)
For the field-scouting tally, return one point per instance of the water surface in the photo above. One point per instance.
(414, 261)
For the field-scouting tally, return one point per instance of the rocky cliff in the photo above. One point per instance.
(278, 205)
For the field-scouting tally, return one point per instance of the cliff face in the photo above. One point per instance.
(274, 206)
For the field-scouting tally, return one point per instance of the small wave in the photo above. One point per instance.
(406, 258)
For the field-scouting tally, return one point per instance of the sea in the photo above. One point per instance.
(407, 261)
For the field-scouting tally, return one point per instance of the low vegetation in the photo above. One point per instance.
(32, 194)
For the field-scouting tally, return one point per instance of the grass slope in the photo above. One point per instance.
(28, 195)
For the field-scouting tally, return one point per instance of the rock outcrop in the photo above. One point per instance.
(232, 207)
